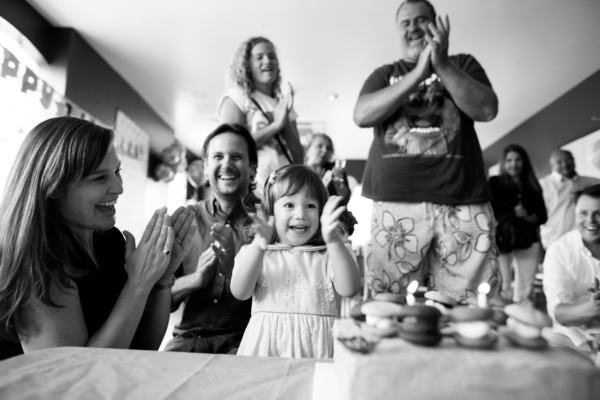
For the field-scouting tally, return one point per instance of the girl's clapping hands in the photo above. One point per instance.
(263, 229)
(329, 219)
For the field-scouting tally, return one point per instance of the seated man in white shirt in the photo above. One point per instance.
(559, 188)
(571, 273)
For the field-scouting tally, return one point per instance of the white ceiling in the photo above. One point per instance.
(175, 53)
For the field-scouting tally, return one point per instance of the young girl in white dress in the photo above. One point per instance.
(293, 268)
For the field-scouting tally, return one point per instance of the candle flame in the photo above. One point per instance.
(484, 288)
(412, 287)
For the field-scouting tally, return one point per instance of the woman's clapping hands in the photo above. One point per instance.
(183, 222)
(147, 262)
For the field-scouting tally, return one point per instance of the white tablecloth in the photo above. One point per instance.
(86, 373)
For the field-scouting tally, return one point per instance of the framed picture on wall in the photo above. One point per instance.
(133, 147)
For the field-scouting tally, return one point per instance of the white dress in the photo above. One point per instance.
(294, 304)
(270, 154)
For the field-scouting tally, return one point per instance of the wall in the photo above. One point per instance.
(97, 88)
(31, 24)
(570, 117)
(89, 81)
(79, 73)
(586, 152)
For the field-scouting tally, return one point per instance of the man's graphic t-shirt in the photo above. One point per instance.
(428, 149)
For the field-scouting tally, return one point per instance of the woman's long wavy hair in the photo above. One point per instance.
(240, 72)
(527, 176)
(36, 246)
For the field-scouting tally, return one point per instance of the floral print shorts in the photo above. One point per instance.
(448, 248)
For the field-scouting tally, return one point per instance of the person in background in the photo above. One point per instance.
(319, 157)
(559, 192)
(68, 277)
(431, 218)
(213, 321)
(571, 274)
(293, 268)
(255, 100)
(519, 209)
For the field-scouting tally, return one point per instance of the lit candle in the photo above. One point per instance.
(410, 290)
(482, 291)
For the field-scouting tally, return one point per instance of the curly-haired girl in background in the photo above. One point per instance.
(294, 266)
(255, 100)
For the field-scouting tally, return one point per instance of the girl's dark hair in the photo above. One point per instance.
(36, 246)
(527, 176)
(289, 180)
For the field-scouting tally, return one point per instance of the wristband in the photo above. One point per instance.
(163, 286)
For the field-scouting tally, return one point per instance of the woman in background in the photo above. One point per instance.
(255, 100)
(319, 157)
(519, 210)
(68, 277)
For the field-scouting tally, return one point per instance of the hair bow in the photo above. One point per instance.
(272, 177)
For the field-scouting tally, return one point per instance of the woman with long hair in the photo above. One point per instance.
(256, 101)
(68, 277)
(519, 210)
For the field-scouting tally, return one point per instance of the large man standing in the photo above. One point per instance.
(425, 169)
(559, 190)
(213, 320)
(571, 273)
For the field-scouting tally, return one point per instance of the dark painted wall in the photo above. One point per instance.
(31, 24)
(570, 117)
(97, 88)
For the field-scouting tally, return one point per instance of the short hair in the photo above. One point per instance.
(35, 243)
(239, 73)
(559, 151)
(289, 180)
(426, 2)
(236, 129)
(591, 191)
(249, 200)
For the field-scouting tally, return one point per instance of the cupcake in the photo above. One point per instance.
(472, 327)
(497, 305)
(391, 297)
(441, 298)
(381, 317)
(420, 325)
(524, 326)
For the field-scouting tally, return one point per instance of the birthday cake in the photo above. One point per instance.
(369, 367)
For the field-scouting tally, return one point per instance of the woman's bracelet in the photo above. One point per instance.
(163, 286)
